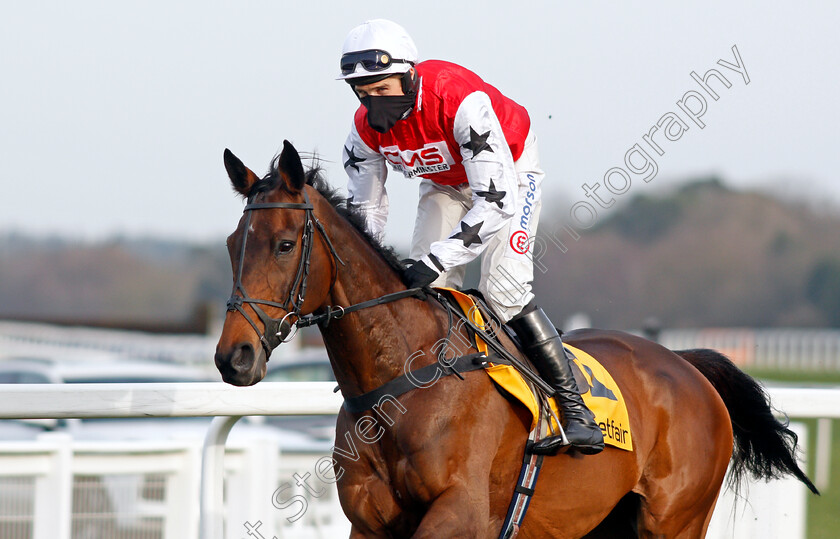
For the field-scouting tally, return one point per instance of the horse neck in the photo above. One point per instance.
(370, 347)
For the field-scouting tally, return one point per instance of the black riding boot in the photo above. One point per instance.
(544, 348)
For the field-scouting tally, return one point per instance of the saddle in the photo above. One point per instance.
(602, 395)
(599, 390)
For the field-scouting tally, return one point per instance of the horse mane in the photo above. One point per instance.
(314, 175)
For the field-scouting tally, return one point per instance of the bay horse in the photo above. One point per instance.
(442, 460)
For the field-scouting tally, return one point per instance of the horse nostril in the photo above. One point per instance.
(242, 358)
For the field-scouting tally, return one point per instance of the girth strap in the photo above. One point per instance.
(419, 377)
(524, 490)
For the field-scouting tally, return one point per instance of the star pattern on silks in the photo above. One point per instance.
(352, 159)
(468, 234)
(492, 195)
(477, 143)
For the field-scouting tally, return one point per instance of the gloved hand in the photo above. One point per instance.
(419, 275)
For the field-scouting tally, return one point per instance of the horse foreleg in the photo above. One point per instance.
(457, 512)
(371, 509)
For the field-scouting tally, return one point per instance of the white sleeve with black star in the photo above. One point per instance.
(366, 171)
(492, 177)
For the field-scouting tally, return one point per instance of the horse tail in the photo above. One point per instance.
(764, 447)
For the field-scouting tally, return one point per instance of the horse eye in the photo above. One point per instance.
(285, 246)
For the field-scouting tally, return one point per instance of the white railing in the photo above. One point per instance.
(193, 399)
(772, 348)
(224, 402)
(814, 349)
(47, 340)
(58, 487)
(227, 404)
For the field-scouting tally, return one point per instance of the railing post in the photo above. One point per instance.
(250, 489)
(52, 516)
(822, 466)
(183, 485)
(211, 510)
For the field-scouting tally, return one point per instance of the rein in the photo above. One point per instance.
(334, 312)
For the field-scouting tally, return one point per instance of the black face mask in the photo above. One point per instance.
(386, 110)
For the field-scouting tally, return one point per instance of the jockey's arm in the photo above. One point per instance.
(492, 177)
(367, 172)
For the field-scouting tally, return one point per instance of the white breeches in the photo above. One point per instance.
(507, 268)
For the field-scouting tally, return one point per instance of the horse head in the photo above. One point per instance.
(283, 264)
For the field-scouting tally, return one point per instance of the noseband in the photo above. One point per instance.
(277, 330)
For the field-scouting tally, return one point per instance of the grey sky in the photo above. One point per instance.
(114, 115)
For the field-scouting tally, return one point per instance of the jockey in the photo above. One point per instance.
(474, 156)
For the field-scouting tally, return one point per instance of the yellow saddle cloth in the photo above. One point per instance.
(603, 396)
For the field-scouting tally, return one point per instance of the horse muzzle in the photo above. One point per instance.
(242, 365)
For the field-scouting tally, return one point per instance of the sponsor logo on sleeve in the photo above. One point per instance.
(520, 240)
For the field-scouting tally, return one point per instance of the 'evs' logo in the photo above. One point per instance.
(431, 158)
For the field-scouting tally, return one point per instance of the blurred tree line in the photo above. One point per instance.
(704, 255)
(136, 284)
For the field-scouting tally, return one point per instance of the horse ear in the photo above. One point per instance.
(290, 167)
(240, 176)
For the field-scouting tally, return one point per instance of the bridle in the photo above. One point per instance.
(278, 330)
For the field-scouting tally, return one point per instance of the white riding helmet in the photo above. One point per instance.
(377, 48)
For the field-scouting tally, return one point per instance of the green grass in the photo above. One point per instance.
(823, 510)
(796, 377)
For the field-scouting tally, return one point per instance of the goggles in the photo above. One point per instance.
(372, 61)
